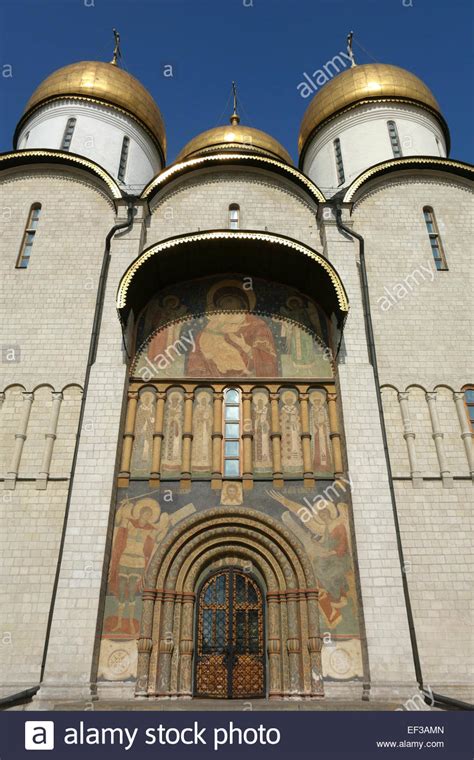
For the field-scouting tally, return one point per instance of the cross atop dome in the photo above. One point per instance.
(117, 51)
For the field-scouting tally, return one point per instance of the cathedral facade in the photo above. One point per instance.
(237, 400)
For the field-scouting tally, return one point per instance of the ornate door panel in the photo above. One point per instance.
(230, 647)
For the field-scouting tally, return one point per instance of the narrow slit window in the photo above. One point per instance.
(123, 159)
(394, 139)
(68, 133)
(232, 433)
(29, 236)
(234, 216)
(435, 239)
(469, 401)
(339, 162)
(25, 141)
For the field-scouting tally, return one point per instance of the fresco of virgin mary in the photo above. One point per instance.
(234, 342)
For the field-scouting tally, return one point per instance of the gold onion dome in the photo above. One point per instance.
(361, 84)
(234, 138)
(106, 83)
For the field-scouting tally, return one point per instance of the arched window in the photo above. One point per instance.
(339, 162)
(232, 432)
(123, 159)
(394, 139)
(435, 239)
(68, 133)
(29, 236)
(234, 214)
(469, 401)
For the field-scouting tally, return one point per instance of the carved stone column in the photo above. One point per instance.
(128, 438)
(186, 647)
(187, 439)
(308, 474)
(335, 435)
(216, 481)
(247, 440)
(409, 436)
(157, 439)
(166, 645)
(314, 644)
(466, 433)
(294, 644)
(145, 642)
(275, 686)
(50, 436)
(438, 439)
(276, 441)
(20, 439)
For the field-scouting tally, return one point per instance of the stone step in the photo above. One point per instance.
(227, 705)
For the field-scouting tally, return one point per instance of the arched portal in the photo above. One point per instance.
(256, 547)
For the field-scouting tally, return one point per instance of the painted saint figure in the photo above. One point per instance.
(173, 432)
(320, 441)
(144, 426)
(330, 551)
(201, 457)
(261, 438)
(290, 423)
(138, 529)
(234, 342)
(170, 312)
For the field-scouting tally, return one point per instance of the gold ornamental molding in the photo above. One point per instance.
(19, 157)
(232, 235)
(395, 164)
(195, 163)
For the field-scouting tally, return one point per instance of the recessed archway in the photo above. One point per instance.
(225, 537)
(263, 254)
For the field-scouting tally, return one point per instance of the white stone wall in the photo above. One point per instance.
(98, 135)
(424, 348)
(437, 531)
(46, 321)
(390, 659)
(425, 337)
(30, 531)
(70, 662)
(200, 201)
(365, 141)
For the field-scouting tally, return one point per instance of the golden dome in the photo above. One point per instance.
(371, 81)
(234, 138)
(106, 83)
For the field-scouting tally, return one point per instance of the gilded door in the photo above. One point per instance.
(230, 648)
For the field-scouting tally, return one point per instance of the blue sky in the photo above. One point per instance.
(266, 45)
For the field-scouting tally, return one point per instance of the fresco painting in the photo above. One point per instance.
(203, 415)
(141, 523)
(319, 425)
(173, 432)
(290, 424)
(262, 451)
(221, 328)
(144, 426)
